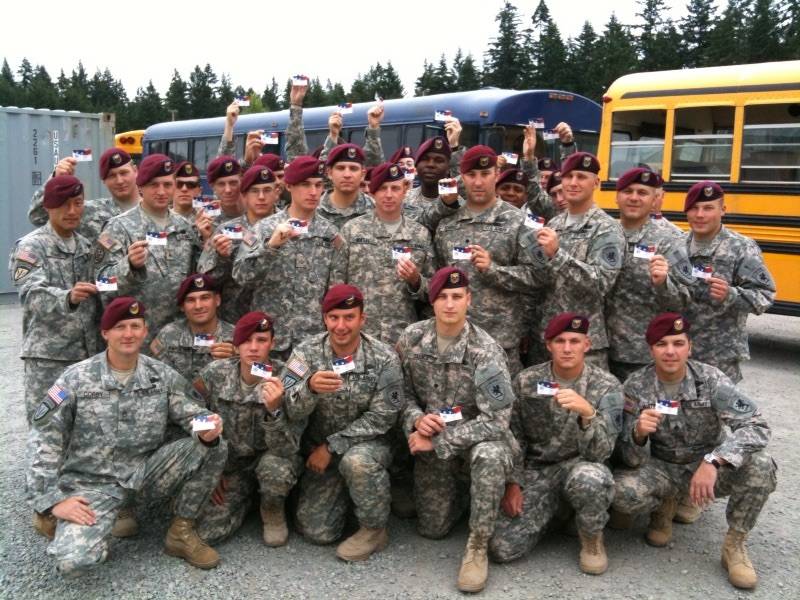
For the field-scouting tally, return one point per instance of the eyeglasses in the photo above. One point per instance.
(189, 185)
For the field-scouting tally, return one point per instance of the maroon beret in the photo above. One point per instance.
(111, 159)
(638, 175)
(256, 175)
(342, 296)
(446, 278)
(477, 157)
(222, 166)
(568, 321)
(546, 164)
(302, 168)
(702, 191)
(61, 188)
(186, 169)
(580, 161)
(666, 324)
(382, 173)
(345, 153)
(249, 324)
(196, 282)
(513, 176)
(154, 165)
(553, 181)
(272, 161)
(437, 145)
(401, 152)
(119, 309)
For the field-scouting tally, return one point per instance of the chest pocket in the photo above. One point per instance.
(576, 243)
(361, 389)
(147, 419)
(725, 268)
(702, 424)
(60, 268)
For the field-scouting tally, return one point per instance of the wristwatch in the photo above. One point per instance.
(712, 460)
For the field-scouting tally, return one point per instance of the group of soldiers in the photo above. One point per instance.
(340, 337)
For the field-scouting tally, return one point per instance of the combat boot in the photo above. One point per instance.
(182, 541)
(45, 524)
(659, 531)
(125, 524)
(618, 520)
(593, 558)
(362, 544)
(735, 560)
(687, 511)
(275, 532)
(475, 565)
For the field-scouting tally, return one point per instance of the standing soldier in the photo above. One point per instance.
(706, 438)
(52, 269)
(345, 169)
(148, 249)
(456, 419)
(187, 188)
(98, 438)
(566, 418)
(348, 387)
(118, 174)
(655, 275)
(224, 175)
(732, 282)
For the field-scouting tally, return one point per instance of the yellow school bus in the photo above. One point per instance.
(131, 142)
(738, 126)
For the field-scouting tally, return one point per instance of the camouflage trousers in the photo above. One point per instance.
(440, 489)
(185, 467)
(623, 370)
(587, 487)
(642, 490)
(273, 477)
(360, 478)
(40, 375)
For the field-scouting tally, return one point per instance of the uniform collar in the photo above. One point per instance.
(60, 242)
(139, 380)
(457, 350)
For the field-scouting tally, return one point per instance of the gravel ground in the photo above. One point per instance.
(413, 567)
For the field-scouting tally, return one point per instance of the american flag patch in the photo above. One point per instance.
(105, 241)
(57, 394)
(297, 366)
(27, 257)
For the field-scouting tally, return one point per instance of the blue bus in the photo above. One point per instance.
(490, 116)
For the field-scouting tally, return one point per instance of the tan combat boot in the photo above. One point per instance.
(687, 512)
(618, 520)
(593, 559)
(182, 541)
(474, 566)
(735, 560)
(125, 524)
(275, 532)
(659, 531)
(362, 544)
(45, 524)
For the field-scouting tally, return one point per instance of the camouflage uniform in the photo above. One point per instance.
(156, 284)
(105, 442)
(427, 211)
(262, 450)
(363, 204)
(719, 333)
(539, 201)
(288, 282)
(365, 260)
(634, 300)
(714, 416)
(582, 272)
(174, 346)
(55, 334)
(471, 374)
(353, 422)
(559, 460)
(661, 221)
(236, 300)
(498, 295)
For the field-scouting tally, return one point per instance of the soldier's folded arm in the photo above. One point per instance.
(32, 282)
(250, 264)
(754, 289)
(749, 431)
(596, 442)
(111, 260)
(517, 475)
(599, 272)
(633, 453)
(185, 403)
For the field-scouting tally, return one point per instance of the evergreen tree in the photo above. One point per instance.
(202, 99)
(145, 110)
(444, 78)
(728, 41)
(465, 73)
(287, 90)
(425, 83)
(505, 62)
(25, 73)
(617, 53)
(106, 94)
(763, 33)
(548, 54)
(791, 29)
(270, 98)
(390, 85)
(177, 99)
(335, 93)
(583, 65)
(8, 86)
(77, 90)
(659, 43)
(696, 27)
(42, 93)
(315, 96)
(224, 93)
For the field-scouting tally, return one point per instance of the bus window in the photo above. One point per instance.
(239, 142)
(702, 144)
(205, 149)
(586, 141)
(178, 150)
(771, 144)
(637, 140)
(495, 138)
(156, 147)
(354, 136)
(315, 139)
(390, 139)
(414, 135)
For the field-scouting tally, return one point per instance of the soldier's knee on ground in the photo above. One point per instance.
(357, 465)
(626, 497)
(589, 481)
(758, 473)
(75, 561)
(495, 456)
(276, 476)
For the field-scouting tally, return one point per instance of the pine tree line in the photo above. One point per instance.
(525, 54)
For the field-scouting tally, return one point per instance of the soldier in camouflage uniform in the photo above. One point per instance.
(52, 269)
(132, 249)
(118, 174)
(287, 267)
(484, 239)
(260, 191)
(263, 452)
(344, 167)
(348, 387)
(732, 282)
(566, 419)
(705, 438)
(455, 370)
(424, 204)
(187, 189)
(578, 255)
(194, 340)
(657, 216)
(98, 438)
(655, 275)
(224, 174)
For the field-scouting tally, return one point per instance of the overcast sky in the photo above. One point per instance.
(251, 42)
